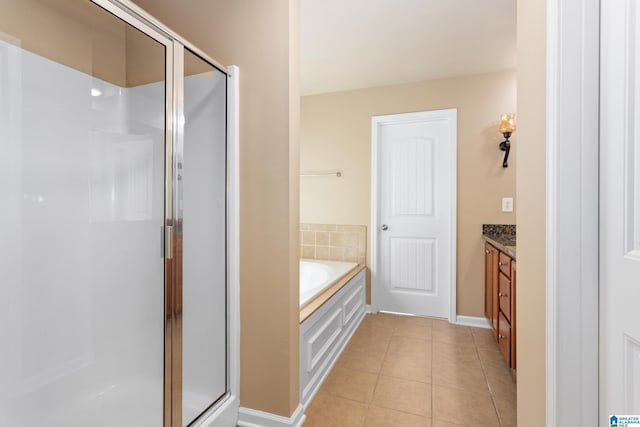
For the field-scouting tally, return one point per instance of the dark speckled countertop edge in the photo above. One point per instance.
(509, 250)
(502, 236)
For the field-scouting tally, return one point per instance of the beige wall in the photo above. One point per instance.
(77, 34)
(86, 38)
(336, 134)
(531, 213)
(261, 38)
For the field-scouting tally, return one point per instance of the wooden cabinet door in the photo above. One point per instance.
(504, 296)
(513, 316)
(504, 338)
(491, 304)
(505, 264)
(488, 280)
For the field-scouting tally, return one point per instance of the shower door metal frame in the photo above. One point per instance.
(227, 406)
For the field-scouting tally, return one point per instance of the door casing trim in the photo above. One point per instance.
(572, 116)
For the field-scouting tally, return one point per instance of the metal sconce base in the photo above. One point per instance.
(506, 147)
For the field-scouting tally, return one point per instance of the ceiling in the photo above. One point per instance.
(351, 44)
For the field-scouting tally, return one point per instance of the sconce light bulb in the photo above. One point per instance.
(507, 123)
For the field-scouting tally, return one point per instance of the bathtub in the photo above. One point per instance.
(316, 276)
(327, 319)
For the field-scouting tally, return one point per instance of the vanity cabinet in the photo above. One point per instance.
(499, 300)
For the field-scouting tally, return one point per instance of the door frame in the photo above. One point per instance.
(572, 205)
(376, 122)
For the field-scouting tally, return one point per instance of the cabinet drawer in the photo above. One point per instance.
(505, 264)
(504, 296)
(504, 338)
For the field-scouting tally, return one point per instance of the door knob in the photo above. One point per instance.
(384, 227)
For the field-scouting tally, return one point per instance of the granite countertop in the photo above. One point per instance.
(501, 236)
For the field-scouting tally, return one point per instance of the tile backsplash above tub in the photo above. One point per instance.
(334, 242)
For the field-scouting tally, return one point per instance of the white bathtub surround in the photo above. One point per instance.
(325, 333)
(316, 276)
(317, 302)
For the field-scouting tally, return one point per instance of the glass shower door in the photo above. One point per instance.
(201, 184)
(82, 173)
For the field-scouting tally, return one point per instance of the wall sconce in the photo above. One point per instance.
(507, 127)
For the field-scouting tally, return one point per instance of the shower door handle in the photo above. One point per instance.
(166, 245)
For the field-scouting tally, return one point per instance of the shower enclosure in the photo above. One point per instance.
(115, 212)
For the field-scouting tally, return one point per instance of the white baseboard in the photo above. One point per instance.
(253, 418)
(225, 414)
(368, 308)
(475, 322)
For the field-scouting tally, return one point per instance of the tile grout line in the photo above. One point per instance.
(380, 374)
(486, 379)
(377, 379)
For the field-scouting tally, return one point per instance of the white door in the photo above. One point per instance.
(414, 193)
(620, 210)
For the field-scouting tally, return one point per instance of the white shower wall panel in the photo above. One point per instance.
(83, 275)
(55, 235)
(10, 212)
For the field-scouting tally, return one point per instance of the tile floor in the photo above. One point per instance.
(413, 371)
